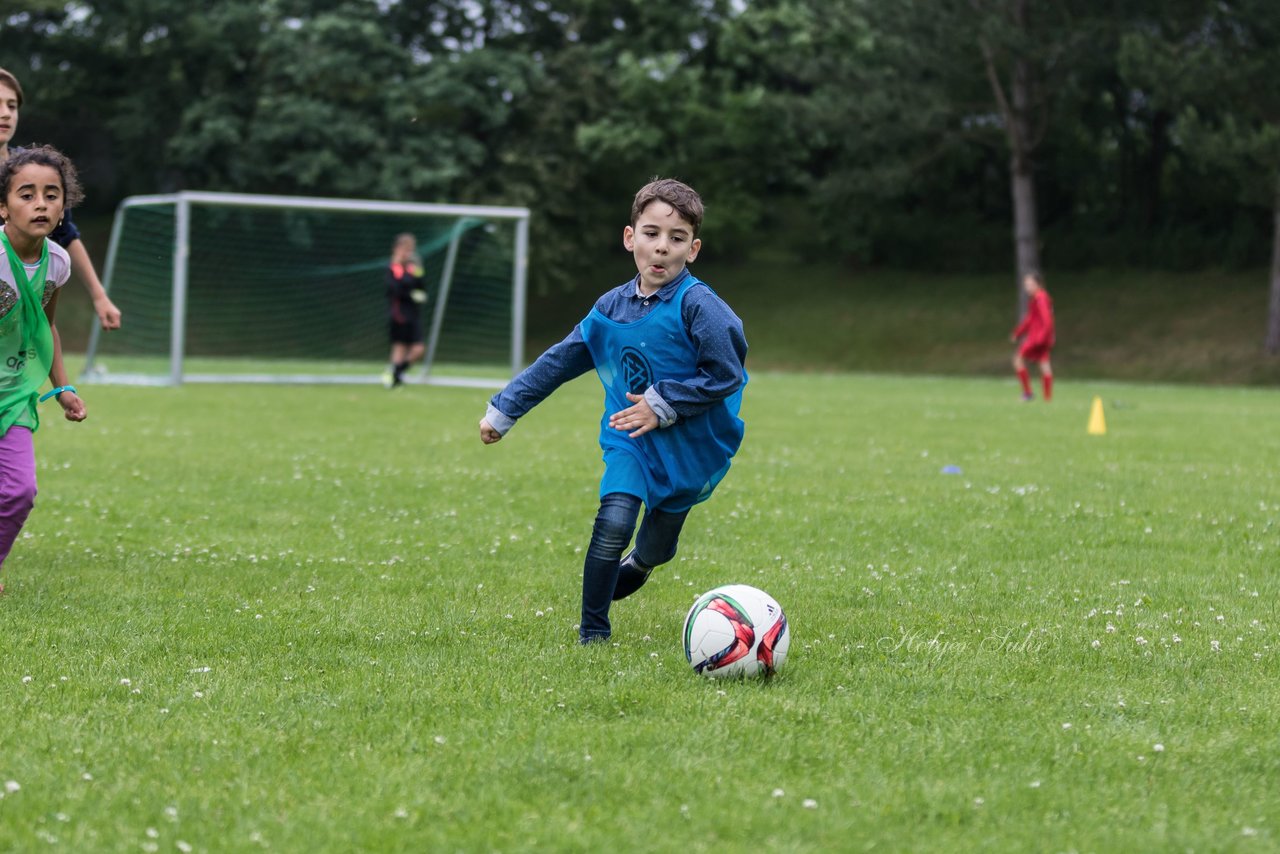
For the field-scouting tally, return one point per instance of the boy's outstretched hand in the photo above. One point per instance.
(635, 420)
(487, 434)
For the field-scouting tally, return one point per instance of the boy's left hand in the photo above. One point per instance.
(72, 406)
(635, 420)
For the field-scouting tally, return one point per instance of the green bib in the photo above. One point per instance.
(26, 344)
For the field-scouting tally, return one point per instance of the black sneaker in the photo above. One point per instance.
(631, 576)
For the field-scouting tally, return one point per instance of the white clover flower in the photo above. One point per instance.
(810, 804)
(11, 786)
(1096, 644)
(1140, 640)
(1157, 748)
(777, 793)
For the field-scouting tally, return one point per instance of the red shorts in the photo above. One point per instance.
(1035, 352)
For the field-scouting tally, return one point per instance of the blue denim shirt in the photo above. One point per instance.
(716, 333)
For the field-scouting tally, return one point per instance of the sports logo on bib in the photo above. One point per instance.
(636, 373)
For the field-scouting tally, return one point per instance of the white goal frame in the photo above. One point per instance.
(182, 202)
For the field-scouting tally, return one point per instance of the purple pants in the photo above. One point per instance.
(17, 485)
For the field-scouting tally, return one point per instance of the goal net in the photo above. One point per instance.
(228, 287)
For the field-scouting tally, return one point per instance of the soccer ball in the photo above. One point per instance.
(736, 630)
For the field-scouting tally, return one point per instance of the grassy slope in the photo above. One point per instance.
(1180, 327)
(346, 625)
(1202, 327)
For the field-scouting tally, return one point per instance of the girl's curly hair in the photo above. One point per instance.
(44, 155)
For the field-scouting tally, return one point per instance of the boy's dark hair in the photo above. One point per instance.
(12, 82)
(44, 155)
(679, 195)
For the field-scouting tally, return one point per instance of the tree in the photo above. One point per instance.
(915, 86)
(1214, 65)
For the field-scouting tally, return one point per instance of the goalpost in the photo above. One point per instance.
(233, 287)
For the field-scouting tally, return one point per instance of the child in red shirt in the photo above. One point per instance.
(1037, 326)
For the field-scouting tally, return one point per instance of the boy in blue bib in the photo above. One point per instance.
(670, 355)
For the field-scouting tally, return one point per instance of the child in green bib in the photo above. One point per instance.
(36, 185)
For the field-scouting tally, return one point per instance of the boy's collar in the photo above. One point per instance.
(665, 292)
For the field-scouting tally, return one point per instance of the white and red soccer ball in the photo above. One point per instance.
(736, 630)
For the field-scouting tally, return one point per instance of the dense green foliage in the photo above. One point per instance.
(328, 619)
(849, 129)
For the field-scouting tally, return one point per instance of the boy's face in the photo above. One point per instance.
(662, 243)
(33, 204)
(8, 115)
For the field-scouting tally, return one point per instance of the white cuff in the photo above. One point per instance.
(498, 420)
(666, 415)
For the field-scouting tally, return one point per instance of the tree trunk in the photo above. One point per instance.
(1016, 111)
(1273, 314)
(1026, 231)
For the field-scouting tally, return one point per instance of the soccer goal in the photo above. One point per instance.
(230, 287)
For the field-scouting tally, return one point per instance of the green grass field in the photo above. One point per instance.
(329, 619)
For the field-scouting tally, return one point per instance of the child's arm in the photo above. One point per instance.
(67, 236)
(108, 314)
(72, 405)
(1046, 317)
(562, 362)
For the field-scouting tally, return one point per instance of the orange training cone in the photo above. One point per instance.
(1097, 421)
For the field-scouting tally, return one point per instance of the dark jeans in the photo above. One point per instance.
(615, 522)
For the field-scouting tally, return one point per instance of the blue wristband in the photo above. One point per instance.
(57, 391)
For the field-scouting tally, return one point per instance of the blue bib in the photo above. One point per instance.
(669, 469)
